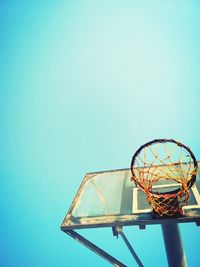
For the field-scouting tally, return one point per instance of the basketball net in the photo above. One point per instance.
(164, 161)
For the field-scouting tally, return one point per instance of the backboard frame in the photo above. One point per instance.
(141, 219)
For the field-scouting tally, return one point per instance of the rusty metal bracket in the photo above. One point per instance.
(94, 248)
(142, 226)
(115, 231)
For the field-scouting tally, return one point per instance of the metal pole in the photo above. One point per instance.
(173, 245)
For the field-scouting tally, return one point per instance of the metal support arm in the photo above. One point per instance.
(94, 248)
(118, 231)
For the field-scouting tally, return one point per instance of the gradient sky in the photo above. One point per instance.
(82, 85)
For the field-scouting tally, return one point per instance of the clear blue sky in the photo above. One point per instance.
(82, 85)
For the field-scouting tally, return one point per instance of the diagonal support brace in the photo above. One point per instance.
(94, 248)
(118, 231)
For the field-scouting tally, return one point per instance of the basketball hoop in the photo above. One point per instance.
(169, 160)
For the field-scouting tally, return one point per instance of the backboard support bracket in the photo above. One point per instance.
(94, 248)
(117, 230)
(142, 226)
(198, 223)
